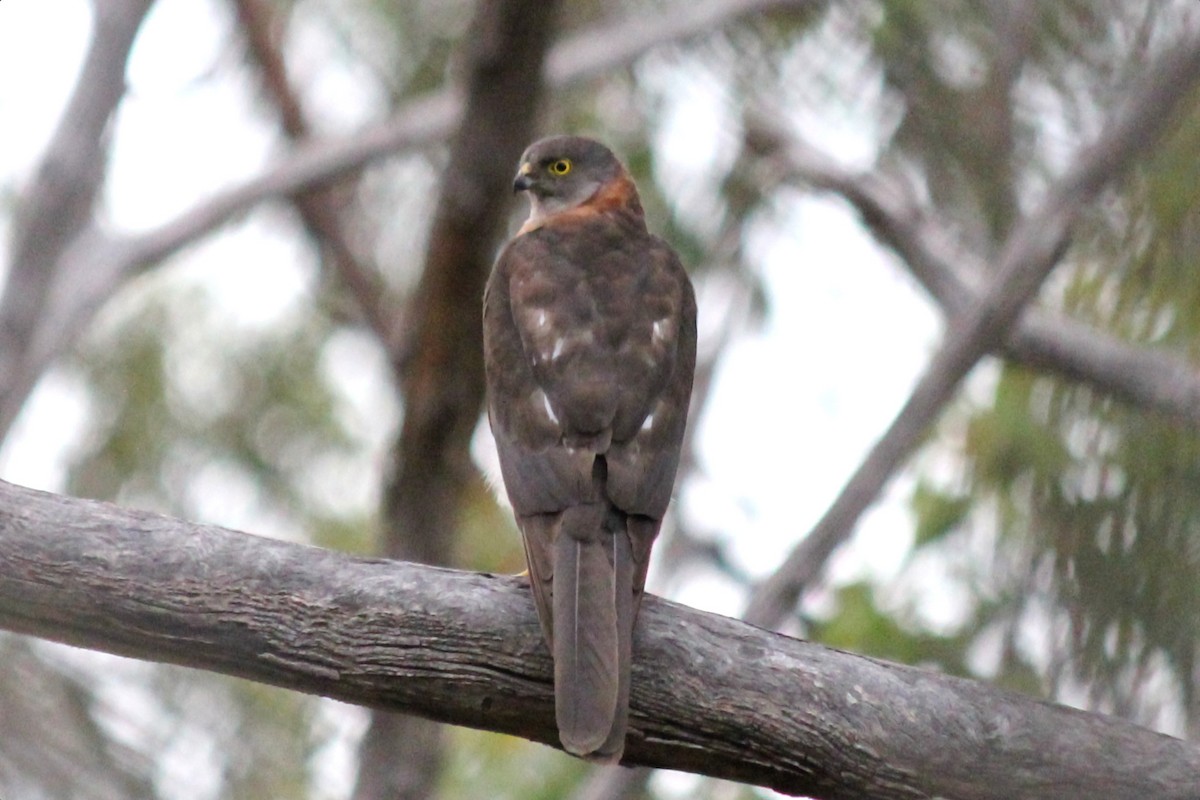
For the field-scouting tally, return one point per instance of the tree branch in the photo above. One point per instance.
(1030, 252)
(57, 204)
(710, 695)
(593, 52)
(1147, 377)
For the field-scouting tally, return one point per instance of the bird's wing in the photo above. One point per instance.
(644, 455)
(540, 475)
(600, 346)
(661, 357)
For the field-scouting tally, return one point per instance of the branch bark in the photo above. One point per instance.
(710, 694)
(1031, 250)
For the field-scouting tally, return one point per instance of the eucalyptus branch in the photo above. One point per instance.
(711, 695)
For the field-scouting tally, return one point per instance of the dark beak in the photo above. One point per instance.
(522, 183)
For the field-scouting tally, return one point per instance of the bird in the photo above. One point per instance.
(589, 328)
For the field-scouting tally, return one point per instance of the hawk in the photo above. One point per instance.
(589, 328)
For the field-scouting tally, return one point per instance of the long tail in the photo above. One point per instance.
(593, 631)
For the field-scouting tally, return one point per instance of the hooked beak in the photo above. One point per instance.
(523, 182)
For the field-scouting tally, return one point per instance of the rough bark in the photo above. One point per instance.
(710, 694)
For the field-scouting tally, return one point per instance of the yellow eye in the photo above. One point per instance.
(560, 167)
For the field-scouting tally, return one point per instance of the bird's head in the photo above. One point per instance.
(562, 172)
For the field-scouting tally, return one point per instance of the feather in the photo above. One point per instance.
(537, 535)
(624, 577)
(592, 622)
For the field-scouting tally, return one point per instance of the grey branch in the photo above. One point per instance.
(983, 323)
(55, 208)
(711, 695)
(1147, 377)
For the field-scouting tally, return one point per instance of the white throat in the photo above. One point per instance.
(541, 208)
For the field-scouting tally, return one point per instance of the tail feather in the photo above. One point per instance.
(623, 577)
(593, 623)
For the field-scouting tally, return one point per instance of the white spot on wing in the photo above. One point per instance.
(558, 347)
(549, 409)
(648, 423)
(541, 319)
(661, 329)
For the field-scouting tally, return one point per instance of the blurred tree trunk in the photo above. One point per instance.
(441, 374)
